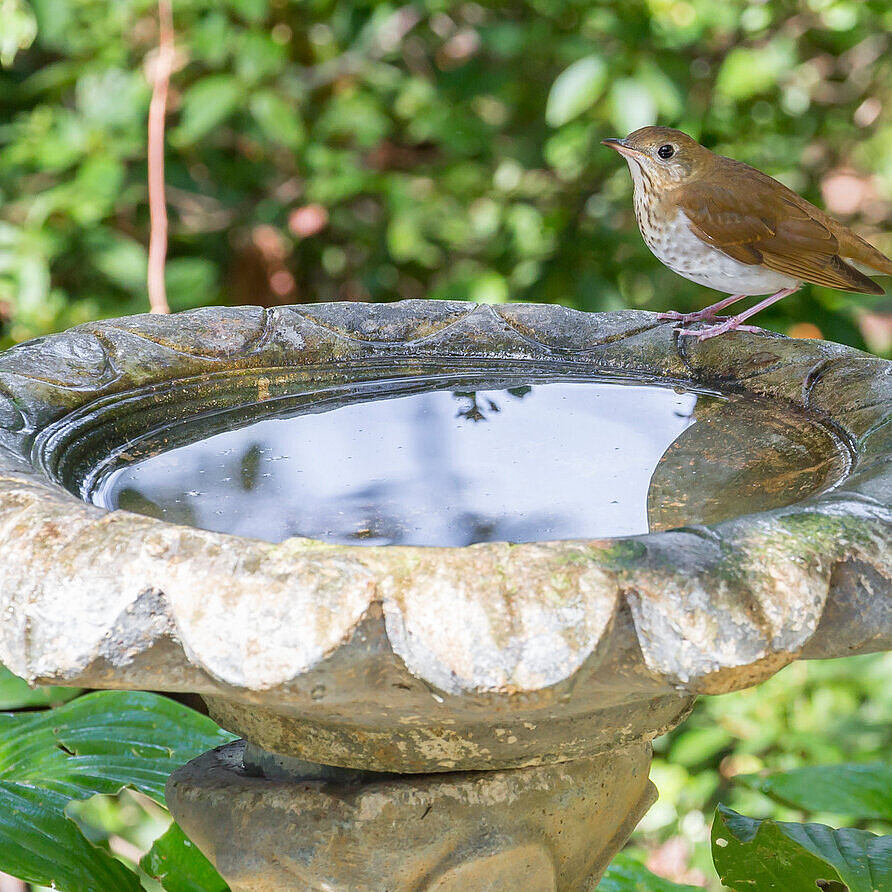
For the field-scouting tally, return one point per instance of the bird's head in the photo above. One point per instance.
(666, 157)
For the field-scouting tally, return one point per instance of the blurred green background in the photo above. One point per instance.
(346, 150)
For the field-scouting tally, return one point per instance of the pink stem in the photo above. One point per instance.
(157, 202)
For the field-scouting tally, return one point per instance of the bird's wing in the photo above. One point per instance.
(757, 220)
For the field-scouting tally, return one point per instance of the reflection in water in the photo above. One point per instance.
(549, 461)
(741, 457)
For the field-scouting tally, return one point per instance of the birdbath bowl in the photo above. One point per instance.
(446, 569)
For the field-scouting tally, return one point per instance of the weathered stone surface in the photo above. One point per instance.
(424, 659)
(551, 827)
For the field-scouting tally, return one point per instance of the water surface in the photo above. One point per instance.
(449, 467)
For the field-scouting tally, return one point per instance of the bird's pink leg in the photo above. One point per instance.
(735, 322)
(706, 313)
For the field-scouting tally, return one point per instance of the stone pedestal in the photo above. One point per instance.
(272, 823)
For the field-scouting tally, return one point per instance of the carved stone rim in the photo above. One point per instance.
(92, 596)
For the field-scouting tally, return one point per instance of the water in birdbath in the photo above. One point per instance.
(545, 460)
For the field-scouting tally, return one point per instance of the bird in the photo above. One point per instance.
(726, 225)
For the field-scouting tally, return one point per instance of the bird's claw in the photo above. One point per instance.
(712, 331)
(687, 318)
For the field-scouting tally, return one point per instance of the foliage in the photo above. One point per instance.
(18, 31)
(180, 867)
(16, 694)
(350, 149)
(626, 874)
(96, 744)
(856, 791)
(769, 855)
(765, 855)
(810, 712)
(754, 751)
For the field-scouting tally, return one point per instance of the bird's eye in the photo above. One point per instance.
(666, 151)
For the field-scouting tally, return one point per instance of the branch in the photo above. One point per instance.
(157, 203)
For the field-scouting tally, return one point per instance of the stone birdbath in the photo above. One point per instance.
(447, 569)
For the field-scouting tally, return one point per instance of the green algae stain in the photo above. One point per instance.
(619, 554)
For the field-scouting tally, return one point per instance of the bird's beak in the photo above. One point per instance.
(621, 146)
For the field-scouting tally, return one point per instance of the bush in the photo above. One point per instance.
(361, 150)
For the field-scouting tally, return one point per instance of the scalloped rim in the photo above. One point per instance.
(713, 608)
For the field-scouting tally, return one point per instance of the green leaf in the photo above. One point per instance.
(206, 104)
(111, 97)
(123, 260)
(176, 862)
(748, 71)
(99, 743)
(257, 56)
(39, 844)
(18, 28)
(625, 874)
(665, 92)
(95, 189)
(15, 692)
(251, 10)
(631, 105)
(191, 282)
(860, 791)
(772, 855)
(104, 741)
(279, 120)
(576, 89)
(697, 745)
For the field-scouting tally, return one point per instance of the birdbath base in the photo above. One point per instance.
(274, 822)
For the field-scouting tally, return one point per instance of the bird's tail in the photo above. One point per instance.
(854, 248)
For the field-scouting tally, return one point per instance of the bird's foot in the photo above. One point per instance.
(687, 318)
(730, 324)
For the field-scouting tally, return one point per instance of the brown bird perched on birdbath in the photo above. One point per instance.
(726, 225)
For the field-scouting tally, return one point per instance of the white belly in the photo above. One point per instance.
(685, 254)
(691, 257)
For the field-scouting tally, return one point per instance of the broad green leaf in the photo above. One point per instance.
(279, 120)
(18, 28)
(191, 282)
(860, 791)
(576, 89)
(33, 283)
(569, 149)
(697, 745)
(176, 862)
(488, 288)
(112, 97)
(99, 743)
(748, 71)
(257, 56)
(206, 104)
(94, 190)
(631, 105)
(665, 92)
(251, 10)
(625, 874)
(39, 844)
(102, 742)
(123, 260)
(16, 694)
(213, 38)
(772, 855)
